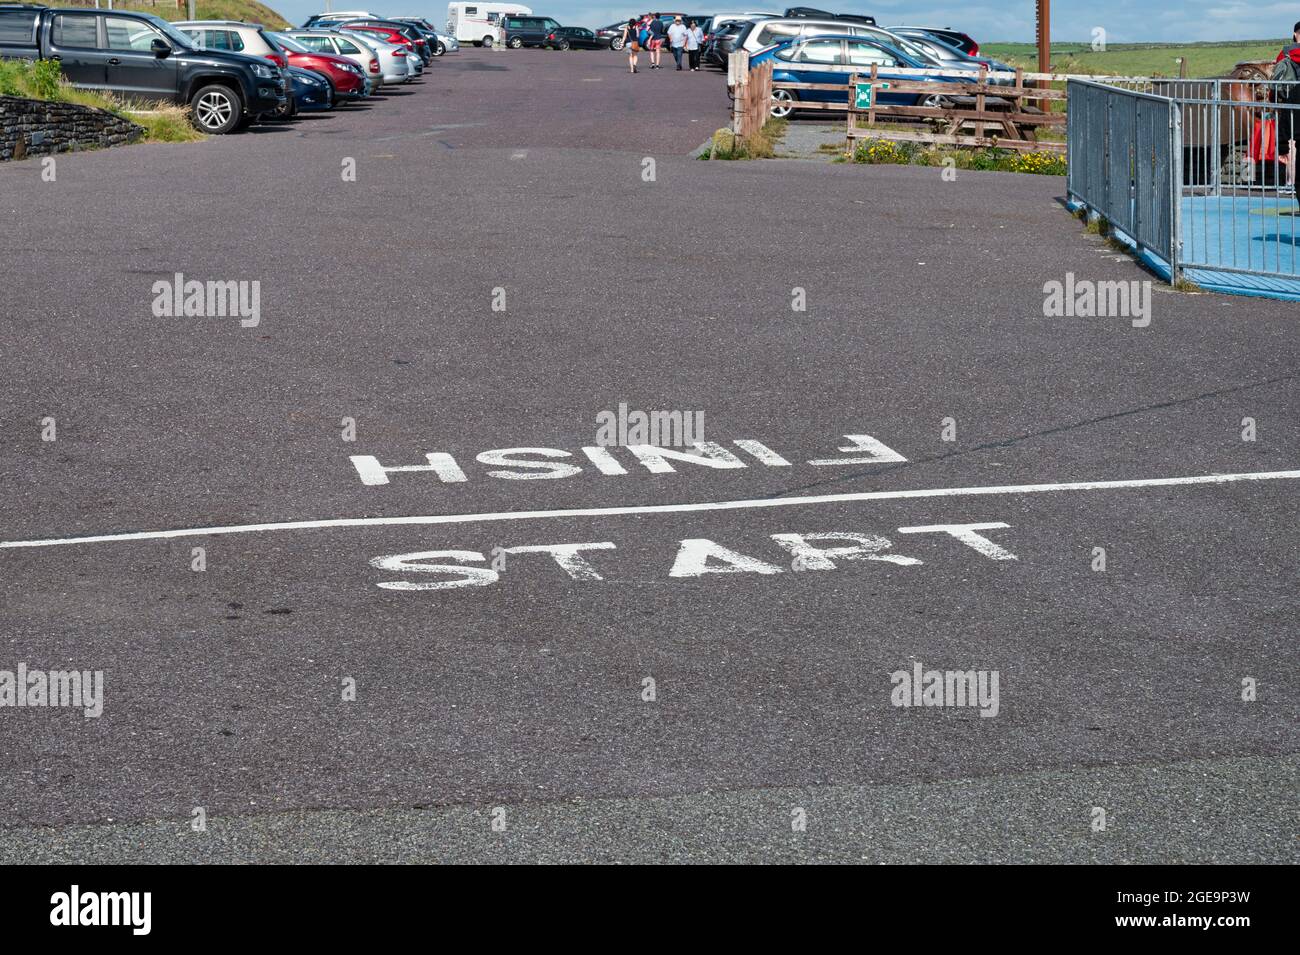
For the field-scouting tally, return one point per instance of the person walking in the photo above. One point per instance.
(677, 40)
(631, 43)
(1286, 70)
(694, 44)
(656, 40)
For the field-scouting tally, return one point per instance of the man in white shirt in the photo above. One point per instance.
(677, 36)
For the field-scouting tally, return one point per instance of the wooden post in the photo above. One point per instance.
(871, 113)
(1044, 36)
(853, 112)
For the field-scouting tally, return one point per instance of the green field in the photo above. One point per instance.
(249, 11)
(1139, 59)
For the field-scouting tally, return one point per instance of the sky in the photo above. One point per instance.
(1125, 21)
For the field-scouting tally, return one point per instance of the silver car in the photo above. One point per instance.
(394, 61)
(319, 41)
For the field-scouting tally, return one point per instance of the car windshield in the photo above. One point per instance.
(288, 43)
(173, 34)
(912, 50)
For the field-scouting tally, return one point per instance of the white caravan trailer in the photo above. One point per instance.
(480, 23)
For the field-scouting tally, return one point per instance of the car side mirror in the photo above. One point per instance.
(160, 48)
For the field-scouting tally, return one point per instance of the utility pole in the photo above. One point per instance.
(190, 11)
(1044, 36)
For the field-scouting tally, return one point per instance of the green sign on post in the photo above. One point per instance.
(862, 94)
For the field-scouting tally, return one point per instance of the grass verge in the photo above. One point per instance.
(889, 153)
(43, 80)
(759, 145)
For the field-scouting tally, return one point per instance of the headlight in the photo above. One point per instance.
(262, 72)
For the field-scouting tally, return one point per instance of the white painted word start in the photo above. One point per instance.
(533, 464)
(696, 556)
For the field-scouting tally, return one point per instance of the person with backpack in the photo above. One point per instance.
(631, 43)
(656, 40)
(1286, 71)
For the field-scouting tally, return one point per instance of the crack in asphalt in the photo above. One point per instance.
(1029, 436)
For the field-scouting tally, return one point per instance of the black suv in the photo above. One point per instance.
(527, 31)
(138, 56)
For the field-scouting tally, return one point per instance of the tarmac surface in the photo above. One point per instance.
(526, 246)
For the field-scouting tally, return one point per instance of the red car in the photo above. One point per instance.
(347, 78)
(390, 34)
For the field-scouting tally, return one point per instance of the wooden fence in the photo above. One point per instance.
(751, 92)
(977, 111)
(972, 114)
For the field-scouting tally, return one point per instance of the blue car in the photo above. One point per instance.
(310, 91)
(854, 54)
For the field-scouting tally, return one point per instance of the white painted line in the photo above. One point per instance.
(420, 519)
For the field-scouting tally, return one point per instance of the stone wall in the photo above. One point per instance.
(31, 127)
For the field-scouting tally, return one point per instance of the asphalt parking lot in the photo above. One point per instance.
(500, 272)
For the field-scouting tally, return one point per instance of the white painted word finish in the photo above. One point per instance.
(539, 464)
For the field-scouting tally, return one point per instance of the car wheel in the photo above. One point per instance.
(440, 49)
(616, 44)
(564, 44)
(515, 43)
(216, 109)
(936, 101)
(487, 42)
(783, 103)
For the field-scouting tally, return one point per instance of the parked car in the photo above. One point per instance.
(381, 59)
(763, 33)
(347, 80)
(446, 43)
(234, 35)
(391, 31)
(439, 43)
(339, 16)
(958, 39)
(947, 53)
(338, 45)
(574, 38)
(721, 20)
(521, 31)
(855, 54)
(140, 56)
(311, 92)
(813, 13)
(613, 35)
(723, 41)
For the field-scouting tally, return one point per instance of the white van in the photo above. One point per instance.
(480, 23)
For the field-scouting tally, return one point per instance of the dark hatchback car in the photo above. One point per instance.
(724, 42)
(575, 38)
(527, 31)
